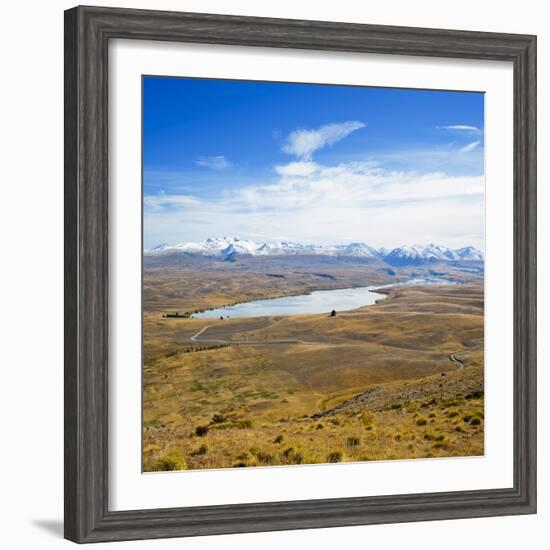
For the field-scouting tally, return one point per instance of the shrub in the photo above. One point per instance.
(452, 414)
(297, 458)
(278, 439)
(352, 441)
(335, 456)
(421, 421)
(319, 427)
(265, 458)
(254, 450)
(475, 421)
(459, 429)
(288, 452)
(218, 419)
(240, 465)
(467, 417)
(170, 462)
(202, 450)
(201, 431)
(293, 457)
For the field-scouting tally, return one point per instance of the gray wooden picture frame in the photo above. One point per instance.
(87, 34)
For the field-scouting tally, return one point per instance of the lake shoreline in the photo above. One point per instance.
(309, 305)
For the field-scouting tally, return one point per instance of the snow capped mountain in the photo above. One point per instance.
(229, 248)
(431, 253)
(470, 253)
(361, 250)
(214, 246)
(417, 254)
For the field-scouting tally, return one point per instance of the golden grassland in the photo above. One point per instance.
(373, 383)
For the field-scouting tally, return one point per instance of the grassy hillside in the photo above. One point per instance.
(369, 384)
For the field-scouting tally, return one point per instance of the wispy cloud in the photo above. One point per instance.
(214, 163)
(303, 143)
(163, 202)
(297, 169)
(461, 127)
(469, 147)
(349, 201)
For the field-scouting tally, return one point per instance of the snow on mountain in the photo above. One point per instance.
(229, 248)
(361, 250)
(470, 253)
(214, 246)
(431, 253)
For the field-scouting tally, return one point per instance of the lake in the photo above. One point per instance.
(318, 301)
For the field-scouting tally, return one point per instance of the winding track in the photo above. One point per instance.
(456, 361)
(195, 338)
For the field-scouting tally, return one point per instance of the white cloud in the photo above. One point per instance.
(461, 127)
(162, 202)
(297, 169)
(303, 143)
(215, 163)
(469, 147)
(348, 202)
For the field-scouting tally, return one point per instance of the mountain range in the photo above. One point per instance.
(229, 248)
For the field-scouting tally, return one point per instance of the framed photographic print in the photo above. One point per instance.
(300, 274)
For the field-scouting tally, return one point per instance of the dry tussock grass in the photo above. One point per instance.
(383, 374)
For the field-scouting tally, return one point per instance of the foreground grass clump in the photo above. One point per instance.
(335, 456)
(170, 462)
(397, 434)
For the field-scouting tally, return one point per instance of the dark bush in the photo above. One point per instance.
(335, 456)
(288, 452)
(202, 450)
(201, 431)
(265, 458)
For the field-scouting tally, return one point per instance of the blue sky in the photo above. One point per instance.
(311, 163)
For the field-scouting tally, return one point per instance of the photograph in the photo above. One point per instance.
(313, 273)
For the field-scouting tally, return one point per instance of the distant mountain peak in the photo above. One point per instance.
(231, 247)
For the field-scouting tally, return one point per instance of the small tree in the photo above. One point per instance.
(333, 313)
